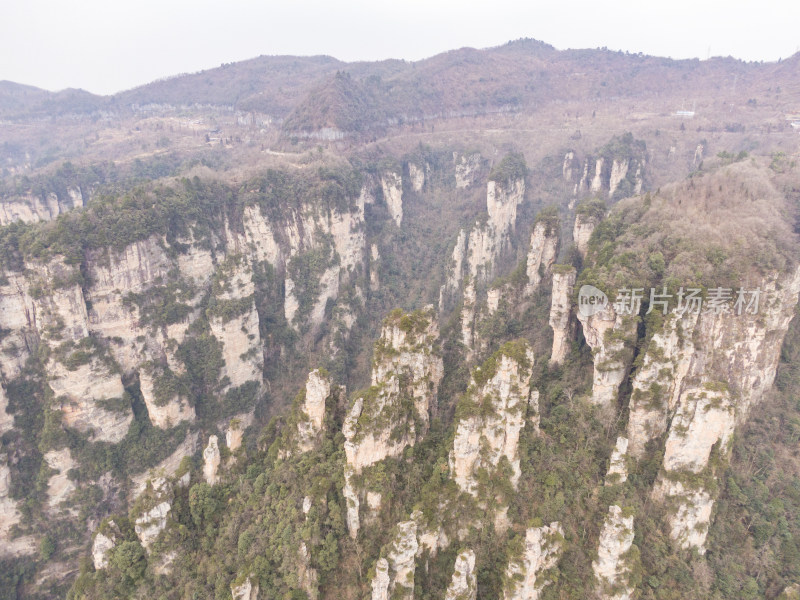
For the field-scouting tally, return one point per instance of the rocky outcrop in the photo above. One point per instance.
(542, 254)
(611, 568)
(417, 176)
(244, 590)
(597, 180)
(59, 486)
(312, 409)
(381, 581)
(167, 467)
(491, 416)
(10, 516)
(454, 272)
(619, 171)
(585, 224)
(610, 336)
(467, 168)
(464, 584)
(30, 208)
(392, 186)
(211, 460)
(713, 382)
(569, 171)
(657, 384)
(234, 322)
(394, 573)
(475, 253)
(151, 523)
(525, 576)
(104, 541)
(379, 424)
(617, 466)
(561, 311)
(81, 393)
(468, 316)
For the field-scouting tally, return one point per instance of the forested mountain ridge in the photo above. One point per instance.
(335, 349)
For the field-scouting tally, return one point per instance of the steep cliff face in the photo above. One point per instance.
(152, 511)
(392, 186)
(582, 231)
(476, 252)
(464, 585)
(389, 416)
(706, 386)
(467, 168)
(394, 573)
(542, 253)
(615, 170)
(610, 336)
(318, 388)
(561, 319)
(491, 416)
(31, 208)
(525, 576)
(657, 383)
(417, 175)
(612, 567)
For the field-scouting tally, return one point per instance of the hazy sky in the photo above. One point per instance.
(108, 45)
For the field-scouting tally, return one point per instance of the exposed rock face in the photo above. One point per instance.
(606, 333)
(392, 186)
(398, 566)
(476, 253)
(542, 254)
(30, 208)
(150, 524)
(381, 581)
(307, 575)
(493, 300)
(619, 170)
(597, 180)
(464, 585)
(377, 425)
(235, 430)
(705, 373)
(211, 459)
(569, 169)
(468, 316)
(484, 437)
(611, 568)
(468, 167)
(240, 333)
(524, 575)
(246, 590)
(561, 312)
(617, 466)
(698, 155)
(417, 176)
(455, 272)
(80, 389)
(164, 416)
(59, 486)
(318, 388)
(657, 383)
(104, 542)
(502, 201)
(9, 514)
(167, 467)
(582, 231)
